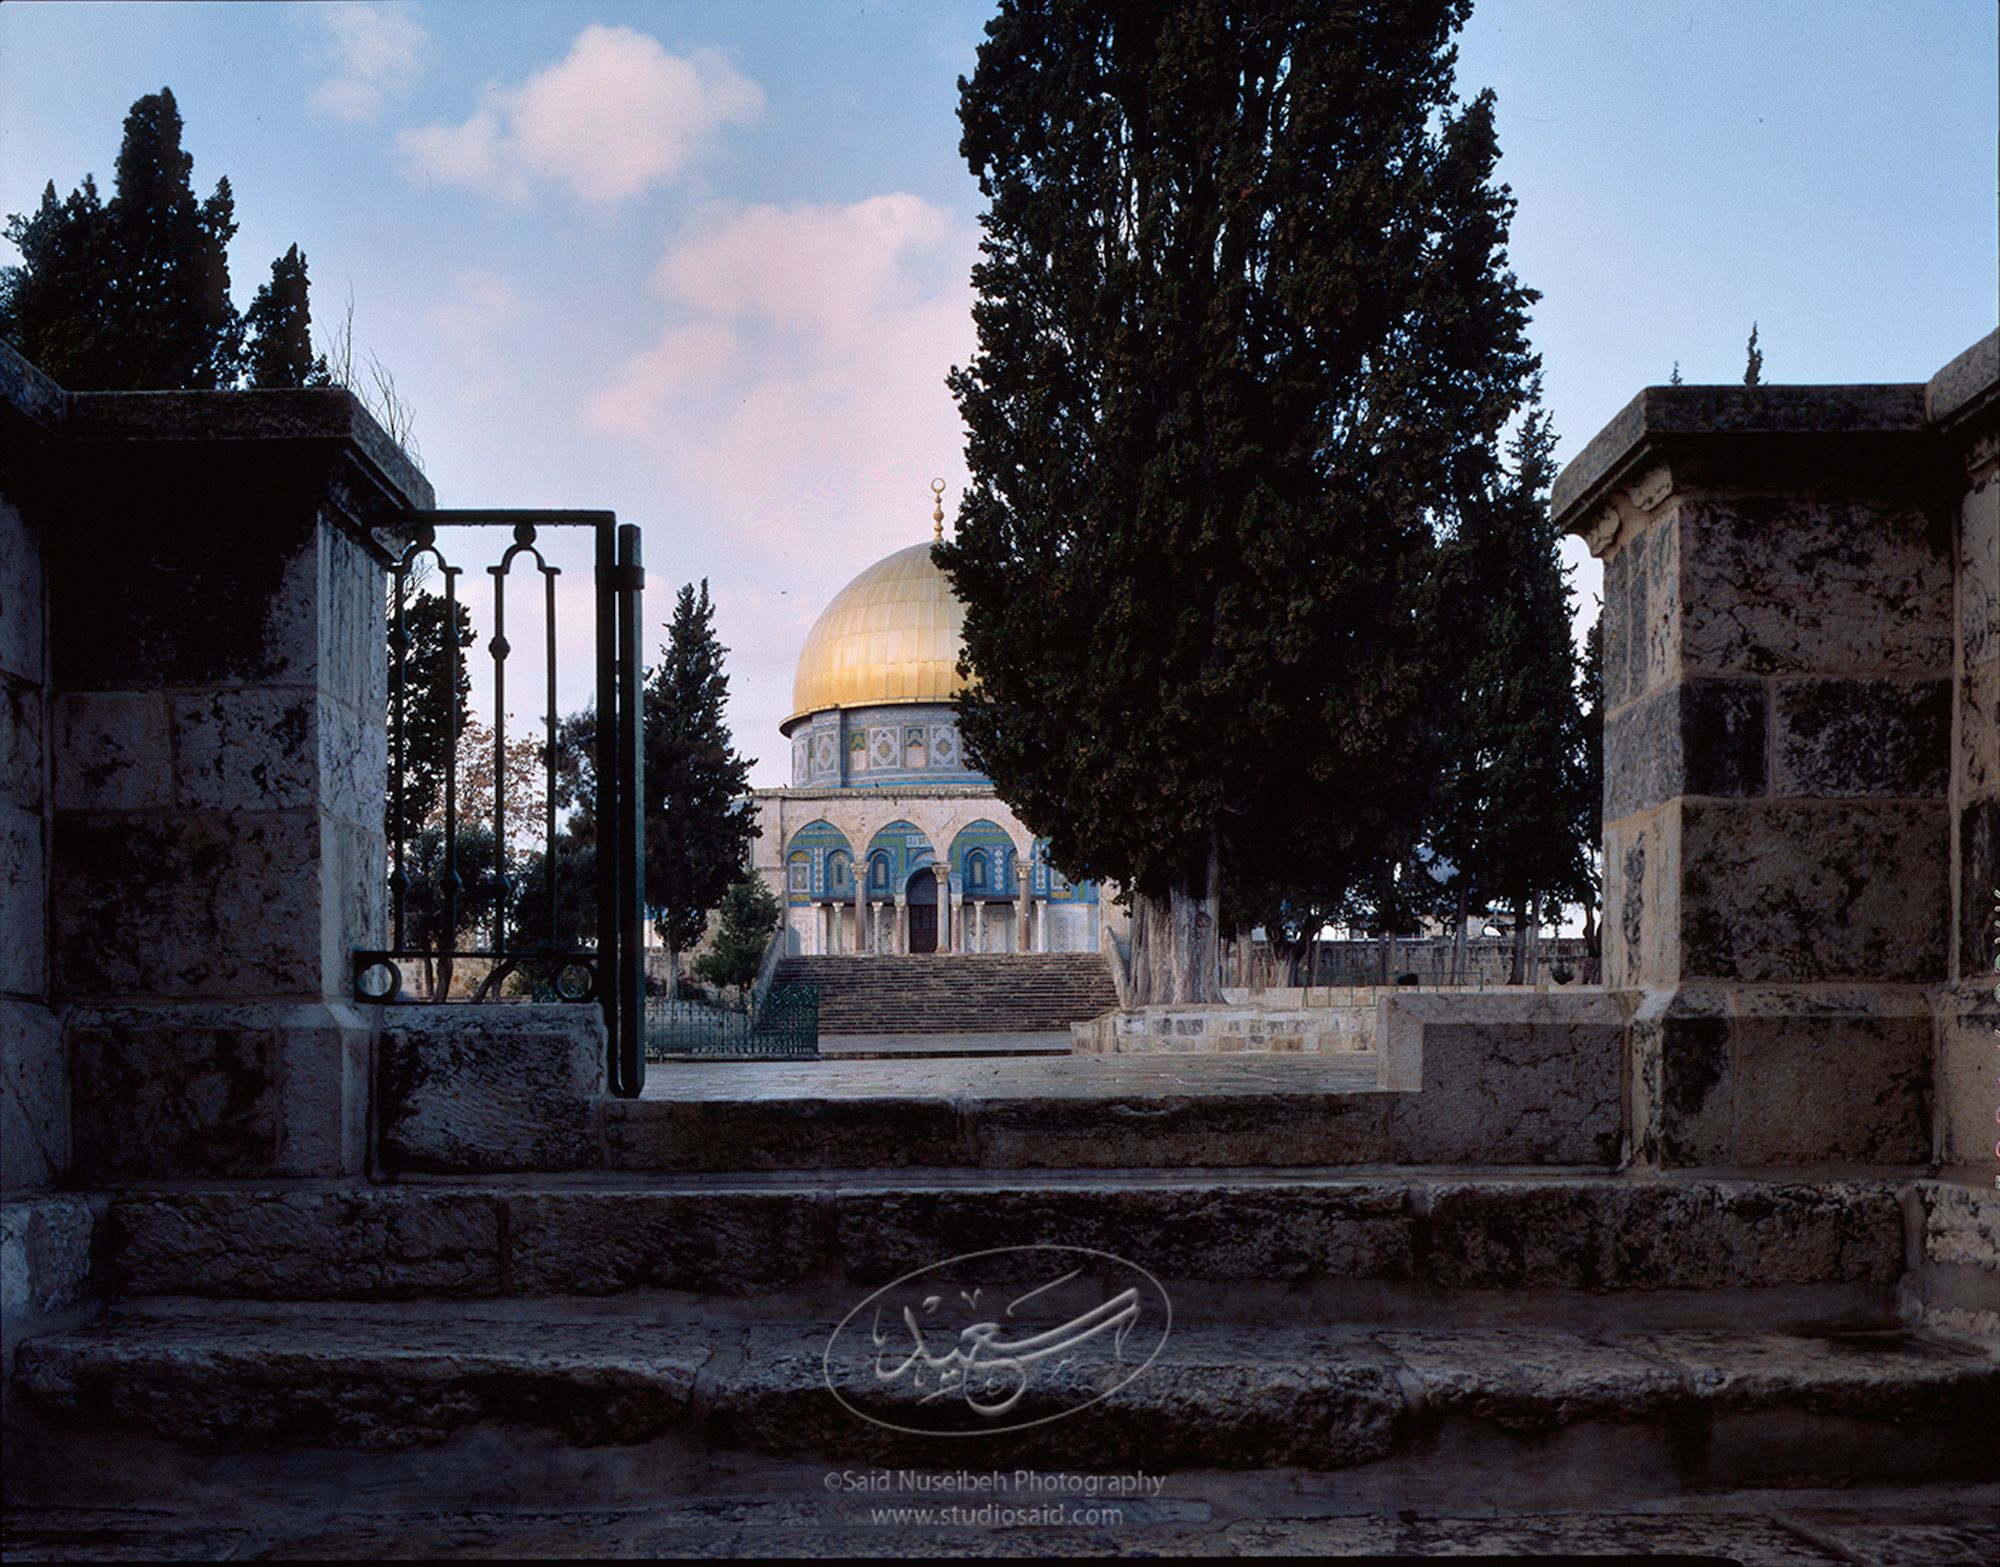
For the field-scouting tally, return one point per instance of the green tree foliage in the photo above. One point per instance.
(1753, 364)
(132, 294)
(750, 913)
(698, 834)
(278, 347)
(434, 666)
(1245, 329)
(1510, 815)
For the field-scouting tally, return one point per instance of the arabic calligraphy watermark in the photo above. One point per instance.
(997, 1340)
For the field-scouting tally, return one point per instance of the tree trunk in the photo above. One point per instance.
(1458, 947)
(1176, 955)
(1388, 950)
(1535, 940)
(442, 989)
(1514, 973)
(1593, 946)
(673, 973)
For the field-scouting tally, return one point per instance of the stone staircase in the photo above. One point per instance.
(1449, 1342)
(954, 993)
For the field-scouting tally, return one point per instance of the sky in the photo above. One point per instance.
(706, 263)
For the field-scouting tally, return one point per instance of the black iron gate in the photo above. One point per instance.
(529, 932)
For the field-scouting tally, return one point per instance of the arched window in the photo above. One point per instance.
(878, 873)
(975, 871)
(839, 875)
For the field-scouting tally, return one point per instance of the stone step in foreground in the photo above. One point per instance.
(1439, 1235)
(1932, 1526)
(1712, 1408)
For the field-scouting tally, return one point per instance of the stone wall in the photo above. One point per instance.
(204, 740)
(34, 1096)
(1789, 713)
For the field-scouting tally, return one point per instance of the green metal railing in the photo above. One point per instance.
(784, 1027)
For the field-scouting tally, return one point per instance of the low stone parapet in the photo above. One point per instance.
(1274, 1021)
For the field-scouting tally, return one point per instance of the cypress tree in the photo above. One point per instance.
(1245, 330)
(698, 834)
(278, 325)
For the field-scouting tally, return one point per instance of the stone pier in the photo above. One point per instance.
(1799, 789)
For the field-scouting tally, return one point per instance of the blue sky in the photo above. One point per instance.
(705, 263)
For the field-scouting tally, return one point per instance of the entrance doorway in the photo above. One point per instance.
(920, 896)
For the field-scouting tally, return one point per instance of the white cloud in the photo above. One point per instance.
(377, 52)
(472, 326)
(800, 384)
(483, 305)
(613, 118)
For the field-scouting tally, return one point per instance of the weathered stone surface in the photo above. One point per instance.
(208, 1090)
(1531, 1380)
(1617, 630)
(229, 901)
(498, 1087)
(1979, 571)
(1968, 1060)
(1637, 1234)
(1238, 1231)
(1215, 1398)
(1177, 1130)
(1642, 899)
(288, 1244)
(247, 748)
(112, 751)
(45, 1253)
(170, 1093)
(1979, 873)
(1781, 1075)
(1249, 1025)
(1879, 599)
(23, 903)
(1830, 1077)
(1745, 1541)
(1883, 1374)
(1683, 1093)
(1522, 1078)
(1812, 891)
(758, 1134)
(22, 750)
(1834, 738)
(34, 1098)
(368, 1376)
(1693, 737)
(601, 1242)
(1961, 1226)
(1979, 727)
(23, 618)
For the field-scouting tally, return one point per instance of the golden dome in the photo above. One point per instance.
(890, 635)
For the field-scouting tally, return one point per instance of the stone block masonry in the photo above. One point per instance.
(1800, 787)
(191, 833)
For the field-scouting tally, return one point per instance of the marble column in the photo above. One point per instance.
(901, 942)
(1024, 934)
(947, 926)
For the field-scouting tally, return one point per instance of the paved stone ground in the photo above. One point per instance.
(850, 1047)
(1040, 1077)
(1936, 1527)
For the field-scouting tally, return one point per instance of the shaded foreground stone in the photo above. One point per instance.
(1451, 1231)
(1244, 1394)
